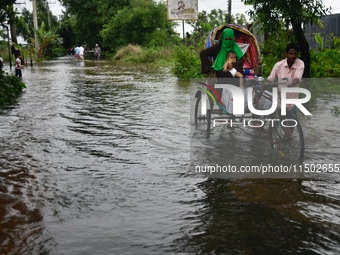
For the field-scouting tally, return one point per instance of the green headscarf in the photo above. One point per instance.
(226, 46)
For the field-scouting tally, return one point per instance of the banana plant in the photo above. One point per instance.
(335, 41)
(319, 40)
(47, 40)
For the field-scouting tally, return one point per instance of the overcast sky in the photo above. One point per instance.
(237, 6)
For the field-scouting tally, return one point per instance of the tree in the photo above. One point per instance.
(206, 22)
(137, 24)
(86, 18)
(47, 41)
(115, 23)
(24, 22)
(8, 11)
(294, 14)
(4, 9)
(45, 15)
(66, 31)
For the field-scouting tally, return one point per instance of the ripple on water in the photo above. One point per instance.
(97, 158)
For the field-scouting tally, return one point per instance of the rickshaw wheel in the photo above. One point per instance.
(202, 121)
(288, 142)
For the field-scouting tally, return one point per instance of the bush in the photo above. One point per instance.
(10, 87)
(325, 64)
(268, 61)
(136, 54)
(187, 62)
(59, 52)
(123, 52)
(272, 50)
(151, 55)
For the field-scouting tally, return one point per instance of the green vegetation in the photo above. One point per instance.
(187, 62)
(325, 63)
(114, 24)
(48, 42)
(125, 52)
(329, 58)
(10, 88)
(22, 25)
(335, 111)
(208, 21)
(138, 31)
(274, 16)
(142, 23)
(145, 55)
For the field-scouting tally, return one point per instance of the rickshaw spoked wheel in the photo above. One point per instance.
(202, 121)
(287, 140)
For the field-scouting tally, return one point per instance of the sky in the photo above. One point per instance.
(237, 6)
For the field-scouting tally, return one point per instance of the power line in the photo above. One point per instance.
(220, 5)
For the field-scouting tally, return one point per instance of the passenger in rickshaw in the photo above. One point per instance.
(219, 53)
(218, 66)
(228, 67)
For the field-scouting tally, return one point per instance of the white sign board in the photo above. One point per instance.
(182, 10)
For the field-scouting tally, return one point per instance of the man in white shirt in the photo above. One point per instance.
(81, 52)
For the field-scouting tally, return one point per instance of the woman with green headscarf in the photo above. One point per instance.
(219, 53)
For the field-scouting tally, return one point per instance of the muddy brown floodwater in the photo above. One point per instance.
(96, 158)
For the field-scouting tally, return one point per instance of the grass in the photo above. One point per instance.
(139, 55)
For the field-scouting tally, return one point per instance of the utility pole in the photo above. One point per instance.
(48, 13)
(9, 51)
(183, 31)
(229, 11)
(35, 23)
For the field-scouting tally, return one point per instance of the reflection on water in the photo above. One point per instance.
(266, 216)
(96, 158)
(21, 227)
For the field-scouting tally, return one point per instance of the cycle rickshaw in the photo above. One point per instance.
(285, 132)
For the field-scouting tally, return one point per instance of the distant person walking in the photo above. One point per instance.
(18, 72)
(81, 52)
(76, 53)
(97, 52)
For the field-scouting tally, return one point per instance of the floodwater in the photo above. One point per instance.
(97, 158)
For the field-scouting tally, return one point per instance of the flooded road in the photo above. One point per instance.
(96, 158)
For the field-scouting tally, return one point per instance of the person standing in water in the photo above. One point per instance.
(18, 72)
(97, 52)
(1, 63)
